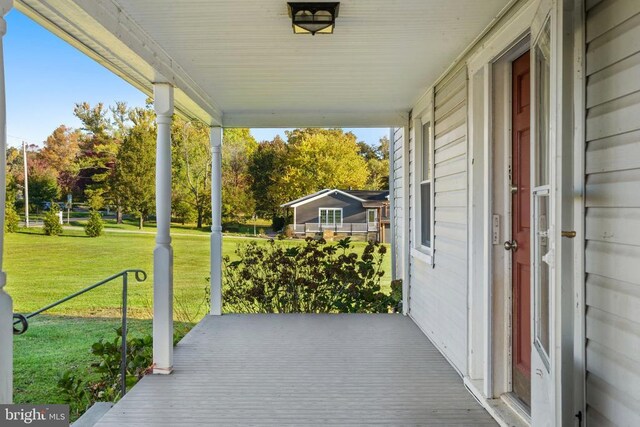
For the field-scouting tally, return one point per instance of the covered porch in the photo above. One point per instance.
(302, 369)
(274, 369)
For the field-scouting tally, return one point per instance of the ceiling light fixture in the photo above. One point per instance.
(313, 17)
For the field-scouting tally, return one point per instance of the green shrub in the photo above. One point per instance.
(51, 225)
(94, 225)
(184, 212)
(317, 277)
(11, 219)
(100, 382)
(81, 390)
(395, 298)
(288, 231)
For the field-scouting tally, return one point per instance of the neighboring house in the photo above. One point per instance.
(360, 213)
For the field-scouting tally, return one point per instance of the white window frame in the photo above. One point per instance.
(420, 251)
(334, 223)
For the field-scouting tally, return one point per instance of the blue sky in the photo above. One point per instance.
(45, 77)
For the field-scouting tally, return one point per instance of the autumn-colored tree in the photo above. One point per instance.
(321, 158)
(60, 154)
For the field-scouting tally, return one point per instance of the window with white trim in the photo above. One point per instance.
(330, 216)
(424, 187)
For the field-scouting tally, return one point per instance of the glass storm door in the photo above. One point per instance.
(543, 124)
(372, 218)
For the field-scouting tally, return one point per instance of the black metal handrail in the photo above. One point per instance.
(140, 276)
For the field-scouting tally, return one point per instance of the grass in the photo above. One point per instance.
(42, 269)
(54, 344)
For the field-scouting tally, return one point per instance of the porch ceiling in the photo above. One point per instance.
(237, 63)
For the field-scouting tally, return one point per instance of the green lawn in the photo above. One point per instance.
(54, 344)
(41, 269)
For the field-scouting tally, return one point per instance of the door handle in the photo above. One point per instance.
(511, 245)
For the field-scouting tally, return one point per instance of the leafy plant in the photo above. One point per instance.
(317, 277)
(395, 298)
(81, 390)
(11, 218)
(95, 224)
(51, 222)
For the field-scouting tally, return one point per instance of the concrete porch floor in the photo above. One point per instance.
(302, 369)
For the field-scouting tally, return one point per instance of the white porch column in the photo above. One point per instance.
(216, 221)
(6, 304)
(163, 252)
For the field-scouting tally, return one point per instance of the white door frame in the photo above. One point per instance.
(495, 355)
(488, 379)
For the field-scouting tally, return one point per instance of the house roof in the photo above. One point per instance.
(237, 63)
(370, 195)
(368, 198)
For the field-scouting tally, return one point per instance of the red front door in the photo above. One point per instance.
(520, 225)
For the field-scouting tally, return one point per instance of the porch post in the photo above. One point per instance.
(216, 221)
(163, 252)
(6, 304)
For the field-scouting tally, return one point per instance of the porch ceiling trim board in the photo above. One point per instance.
(102, 31)
(314, 118)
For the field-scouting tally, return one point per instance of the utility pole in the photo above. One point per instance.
(26, 185)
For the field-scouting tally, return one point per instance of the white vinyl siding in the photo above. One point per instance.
(612, 255)
(438, 294)
(398, 199)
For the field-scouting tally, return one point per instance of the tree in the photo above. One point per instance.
(11, 218)
(14, 173)
(134, 178)
(377, 159)
(191, 171)
(321, 158)
(51, 222)
(266, 165)
(43, 187)
(94, 225)
(59, 154)
(238, 145)
(99, 149)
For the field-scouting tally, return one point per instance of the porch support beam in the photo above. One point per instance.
(216, 221)
(163, 252)
(6, 304)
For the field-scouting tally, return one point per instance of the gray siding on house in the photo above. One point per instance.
(352, 210)
(612, 256)
(438, 294)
